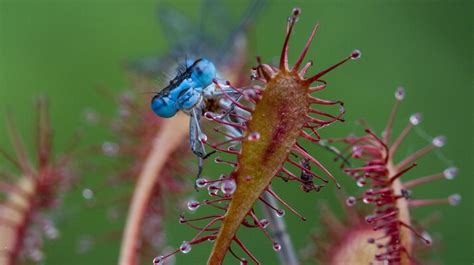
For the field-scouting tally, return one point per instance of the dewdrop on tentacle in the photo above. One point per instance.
(193, 205)
(228, 186)
(185, 247)
(264, 223)
(400, 93)
(439, 141)
(201, 182)
(280, 213)
(158, 260)
(351, 201)
(87, 194)
(264, 129)
(454, 199)
(276, 246)
(450, 173)
(415, 119)
(254, 136)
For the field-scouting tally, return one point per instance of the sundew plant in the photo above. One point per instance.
(235, 132)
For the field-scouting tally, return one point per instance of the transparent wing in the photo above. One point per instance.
(234, 30)
(177, 28)
(210, 36)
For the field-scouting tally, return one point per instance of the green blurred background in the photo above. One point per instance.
(67, 49)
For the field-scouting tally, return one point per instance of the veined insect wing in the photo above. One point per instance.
(190, 37)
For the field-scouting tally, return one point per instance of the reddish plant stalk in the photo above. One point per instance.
(168, 138)
(14, 224)
(24, 223)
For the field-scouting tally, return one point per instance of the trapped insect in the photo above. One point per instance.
(194, 92)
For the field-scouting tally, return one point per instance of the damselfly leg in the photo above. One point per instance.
(197, 137)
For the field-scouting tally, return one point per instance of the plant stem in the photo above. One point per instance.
(13, 239)
(170, 136)
(286, 255)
